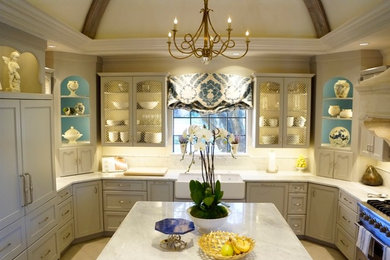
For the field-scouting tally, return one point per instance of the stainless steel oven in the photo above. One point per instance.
(373, 241)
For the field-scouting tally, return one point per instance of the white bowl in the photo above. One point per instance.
(206, 225)
(148, 104)
(154, 138)
(293, 139)
(120, 105)
(110, 122)
(268, 139)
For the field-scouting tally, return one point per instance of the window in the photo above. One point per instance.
(234, 122)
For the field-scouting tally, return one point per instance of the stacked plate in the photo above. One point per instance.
(154, 138)
(292, 139)
(269, 139)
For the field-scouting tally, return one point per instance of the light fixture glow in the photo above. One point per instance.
(363, 44)
(51, 46)
(213, 44)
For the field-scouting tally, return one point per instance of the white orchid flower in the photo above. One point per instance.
(204, 135)
(222, 133)
(185, 135)
(199, 146)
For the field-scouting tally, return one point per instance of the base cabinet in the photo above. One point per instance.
(13, 240)
(87, 208)
(44, 248)
(160, 191)
(334, 164)
(297, 200)
(76, 160)
(321, 212)
(276, 193)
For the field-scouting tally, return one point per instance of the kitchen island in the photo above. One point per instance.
(136, 237)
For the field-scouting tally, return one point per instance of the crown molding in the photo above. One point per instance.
(24, 16)
(373, 21)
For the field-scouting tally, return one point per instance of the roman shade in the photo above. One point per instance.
(210, 92)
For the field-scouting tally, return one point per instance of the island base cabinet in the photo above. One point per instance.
(87, 208)
(321, 212)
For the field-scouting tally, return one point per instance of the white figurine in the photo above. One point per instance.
(13, 66)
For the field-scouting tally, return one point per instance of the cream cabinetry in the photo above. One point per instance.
(160, 191)
(283, 110)
(347, 216)
(275, 192)
(373, 146)
(87, 208)
(297, 198)
(76, 160)
(13, 240)
(44, 248)
(133, 109)
(334, 164)
(321, 212)
(65, 232)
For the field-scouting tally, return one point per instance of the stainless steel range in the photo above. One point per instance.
(374, 230)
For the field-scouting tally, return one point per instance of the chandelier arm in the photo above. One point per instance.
(184, 51)
(177, 57)
(212, 27)
(225, 46)
(238, 57)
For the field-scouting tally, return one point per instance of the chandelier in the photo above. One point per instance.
(213, 44)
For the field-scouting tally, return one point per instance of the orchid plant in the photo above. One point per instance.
(207, 195)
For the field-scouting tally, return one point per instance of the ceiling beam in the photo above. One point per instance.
(318, 17)
(92, 20)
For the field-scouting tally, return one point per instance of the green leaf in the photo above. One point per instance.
(196, 190)
(208, 192)
(208, 200)
(217, 187)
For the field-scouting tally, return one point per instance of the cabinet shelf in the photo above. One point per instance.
(335, 98)
(346, 148)
(336, 118)
(116, 109)
(75, 97)
(75, 116)
(116, 93)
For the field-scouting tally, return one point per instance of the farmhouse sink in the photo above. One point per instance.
(231, 184)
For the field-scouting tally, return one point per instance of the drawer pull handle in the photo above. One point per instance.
(65, 213)
(66, 194)
(8, 245)
(47, 253)
(347, 200)
(342, 242)
(46, 219)
(346, 219)
(297, 204)
(120, 184)
(296, 225)
(121, 202)
(66, 236)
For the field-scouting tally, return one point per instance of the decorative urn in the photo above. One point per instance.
(341, 88)
(72, 86)
(372, 177)
(72, 135)
(334, 110)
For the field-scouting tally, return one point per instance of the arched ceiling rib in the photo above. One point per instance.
(318, 17)
(93, 18)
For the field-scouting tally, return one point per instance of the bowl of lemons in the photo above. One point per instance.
(225, 245)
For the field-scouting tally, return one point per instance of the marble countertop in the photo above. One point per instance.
(356, 189)
(137, 239)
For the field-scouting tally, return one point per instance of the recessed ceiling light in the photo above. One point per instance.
(235, 54)
(363, 44)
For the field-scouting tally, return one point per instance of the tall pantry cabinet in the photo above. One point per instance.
(27, 182)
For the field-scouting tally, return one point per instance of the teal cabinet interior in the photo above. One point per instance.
(78, 118)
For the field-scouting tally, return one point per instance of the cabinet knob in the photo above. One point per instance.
(297, 204)
(43, 221)
(65, 213)
(121, 202)
(45, 255)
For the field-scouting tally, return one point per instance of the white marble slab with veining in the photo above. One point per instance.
(136, 237)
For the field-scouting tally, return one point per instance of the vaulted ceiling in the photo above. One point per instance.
(107, 27)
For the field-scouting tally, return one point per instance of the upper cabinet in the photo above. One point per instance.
(283, 110)
(133, 110)
(337, 113)
(75, 111)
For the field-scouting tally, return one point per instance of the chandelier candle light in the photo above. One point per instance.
(213, 44)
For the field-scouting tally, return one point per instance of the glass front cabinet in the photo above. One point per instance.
(282, 110)
(133, 109)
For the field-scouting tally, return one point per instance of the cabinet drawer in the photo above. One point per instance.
(297, 203)
(65, 211)
(22, 256)
(297, 187)
(345, 243)
(65, 235)
(40, 221)
(347, 218)
(45, 248)
(297, 223)
(64, 194)
(112, 220)
(12, 240)
(348, 200)
(124, 185)
(122, 201)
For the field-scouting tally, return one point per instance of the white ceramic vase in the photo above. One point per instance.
(206, 225)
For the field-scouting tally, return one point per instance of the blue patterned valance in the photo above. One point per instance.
(210, 93)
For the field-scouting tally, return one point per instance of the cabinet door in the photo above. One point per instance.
(342, 165)
(321, 212)
(160, 191)
(11, 190)
(37, 153)
(87, 203)
(85, 159)
(68, 161)
(324, 163)
(149, 105)
(296, 112)
(276, 193)
(269, 102)
(116, 111)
